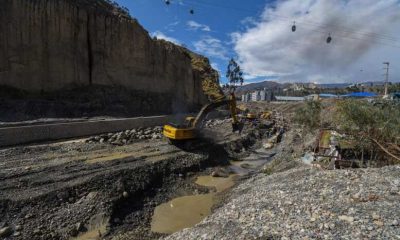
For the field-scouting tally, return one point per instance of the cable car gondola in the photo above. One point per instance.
(329, 39)
(294, 27)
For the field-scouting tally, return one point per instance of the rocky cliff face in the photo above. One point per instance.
(51, 45)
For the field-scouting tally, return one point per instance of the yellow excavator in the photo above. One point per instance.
(191, 128)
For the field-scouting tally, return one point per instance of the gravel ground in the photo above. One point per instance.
(307, 203)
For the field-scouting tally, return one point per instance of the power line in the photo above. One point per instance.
(386, 37)
(370, 35)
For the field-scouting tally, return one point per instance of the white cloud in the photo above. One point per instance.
(248, 22)
(171, 27)
(211, 47)
(198, 26)
(160, 35)
(361, 32)
(216, 67)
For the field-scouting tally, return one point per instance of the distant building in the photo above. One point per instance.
(246, 97)
(259, 95)
(312, 97)
(297, 87)
(262, 95)
(328, 95)
(360, 95)
(289, 99)
(394, 96)
(255, 96)
(312, 86)
(266, 95)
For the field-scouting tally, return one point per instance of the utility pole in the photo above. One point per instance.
(386, 77)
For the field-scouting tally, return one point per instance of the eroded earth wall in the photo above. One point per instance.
(50, 45)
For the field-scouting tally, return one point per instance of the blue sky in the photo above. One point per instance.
(207, 31)
(258, 34)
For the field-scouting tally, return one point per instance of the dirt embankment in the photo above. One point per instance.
(69, 58)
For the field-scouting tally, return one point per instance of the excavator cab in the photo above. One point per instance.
(176, 132)
(180, 131)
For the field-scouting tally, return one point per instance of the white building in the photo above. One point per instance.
(259, 95)
(246, 97)
(255, 96)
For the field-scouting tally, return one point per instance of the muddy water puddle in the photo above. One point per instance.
(220, 184)
(187, 211)
(181, 213)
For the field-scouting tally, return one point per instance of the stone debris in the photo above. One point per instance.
(220, 172)
(128, 136)
(217, 122)
(306, 203)
(5, 232)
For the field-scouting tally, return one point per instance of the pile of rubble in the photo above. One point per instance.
(306, 203)
(128, 136)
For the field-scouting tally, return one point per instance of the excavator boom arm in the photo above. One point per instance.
(210, 107)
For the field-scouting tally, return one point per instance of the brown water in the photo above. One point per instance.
(220, 184)
(181, 213)
(187, 211)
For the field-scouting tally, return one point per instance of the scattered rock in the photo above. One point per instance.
(305, 203)
(6, 231)
(375, 216)
(125, 194)
(268, 145)
(73, 232)
(346, 218)
(128, 136)
(220, 172)
(246, 166)
(79, 226)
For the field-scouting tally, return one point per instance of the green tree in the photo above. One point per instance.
(375, 127)
(309, 115)
(234, 74)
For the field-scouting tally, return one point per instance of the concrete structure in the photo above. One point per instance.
(10, 136)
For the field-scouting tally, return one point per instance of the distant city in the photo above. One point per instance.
(273, 91)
